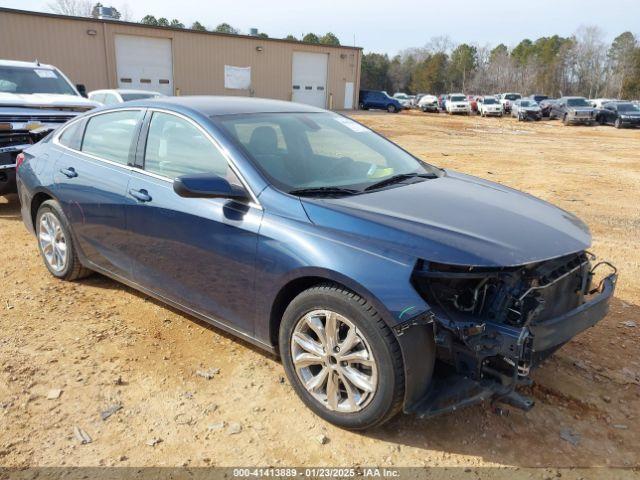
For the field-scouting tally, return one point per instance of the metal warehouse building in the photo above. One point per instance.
(114, 54)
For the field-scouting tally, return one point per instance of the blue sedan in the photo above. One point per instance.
(383, 283)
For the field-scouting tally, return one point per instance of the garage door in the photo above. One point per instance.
(144, 63)
(310, 78)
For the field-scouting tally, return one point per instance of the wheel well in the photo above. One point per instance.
(38, 200)
(285, 296)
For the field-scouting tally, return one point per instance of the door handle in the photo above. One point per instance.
(69, 172)
(140, 195)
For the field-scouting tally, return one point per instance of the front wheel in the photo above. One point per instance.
(391, 109)
(55, 243)
(618, 123)
(341, 358)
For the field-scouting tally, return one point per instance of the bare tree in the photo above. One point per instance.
(75, 8)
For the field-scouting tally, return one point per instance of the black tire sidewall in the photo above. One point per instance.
(53, 207)
(382, 406)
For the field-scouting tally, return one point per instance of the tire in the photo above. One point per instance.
(65, 266)
(391, 109)
(372, 408)
(565, 119)
(617, 123)
(601, 120)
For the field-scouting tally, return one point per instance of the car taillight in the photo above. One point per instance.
(19, 160)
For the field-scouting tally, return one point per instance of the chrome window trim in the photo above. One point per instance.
(225, 154)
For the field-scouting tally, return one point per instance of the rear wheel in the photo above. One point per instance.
(56, 244)
(341, 358)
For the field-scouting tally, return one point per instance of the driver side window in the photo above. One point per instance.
(176, 147)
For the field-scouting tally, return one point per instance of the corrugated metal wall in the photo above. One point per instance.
(198, 58)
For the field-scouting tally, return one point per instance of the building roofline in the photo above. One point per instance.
(184, 30)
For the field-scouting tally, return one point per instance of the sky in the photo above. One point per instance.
(391, 26)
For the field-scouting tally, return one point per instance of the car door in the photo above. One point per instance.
(91, 178)
(196, 252)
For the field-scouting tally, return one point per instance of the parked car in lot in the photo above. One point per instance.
(34, 99)
(378, 100)
(458, 103)
(111, 97)
(442, 102)
(598, 103)
(546, 107)
(429, 103)
(619, 114)
(404, 99)
(309, 235)
(538, 98)
(507, 99)
(525, 109)
(573, 110)
(489, 107)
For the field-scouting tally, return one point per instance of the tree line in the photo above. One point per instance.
(581, 64)
(85, 8)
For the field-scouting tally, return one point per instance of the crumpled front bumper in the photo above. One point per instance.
(450, 391)
(557, 331)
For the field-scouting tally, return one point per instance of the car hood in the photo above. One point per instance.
(455, 219)
(46, 100)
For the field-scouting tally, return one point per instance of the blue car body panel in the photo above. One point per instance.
(228, 262)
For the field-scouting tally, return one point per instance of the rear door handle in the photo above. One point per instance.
(140, 195)
(69, 172)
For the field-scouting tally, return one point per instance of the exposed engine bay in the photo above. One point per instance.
(493, 325)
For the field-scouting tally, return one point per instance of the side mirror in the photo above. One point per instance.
(207, 185)
(82, 90)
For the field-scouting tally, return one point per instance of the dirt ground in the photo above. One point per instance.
(105, 345)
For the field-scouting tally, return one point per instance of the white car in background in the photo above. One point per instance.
(599, 102)
(458, 103)
(428, 103)
(404, 99)
(507, 100)
(489, 107)
(112, 97)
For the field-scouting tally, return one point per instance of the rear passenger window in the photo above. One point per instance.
(72, 135)
(110, 135)
(176, 147)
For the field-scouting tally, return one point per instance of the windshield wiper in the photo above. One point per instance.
(319, 191)
(399, 178)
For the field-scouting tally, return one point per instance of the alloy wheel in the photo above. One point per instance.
(334, 361)
(52, 241)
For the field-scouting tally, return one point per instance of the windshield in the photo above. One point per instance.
(628, 107)
(33, 80)
(578, 102)
(458, 98)
(513, 96)
(528, 103)
(489, 101)
(318, 150)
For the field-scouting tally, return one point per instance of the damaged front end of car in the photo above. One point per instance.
(492, 325)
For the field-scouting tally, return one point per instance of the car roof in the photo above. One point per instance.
(16, 63)
(124, 90)
(220, 105)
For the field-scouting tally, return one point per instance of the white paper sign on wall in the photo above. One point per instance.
(237, 78)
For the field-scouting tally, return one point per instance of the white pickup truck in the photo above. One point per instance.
(34, 100)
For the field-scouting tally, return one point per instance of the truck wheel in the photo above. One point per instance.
(565, 119)
(363, 107)
(391, 109)
(618, 123)
(55, 243)
(341, 358)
